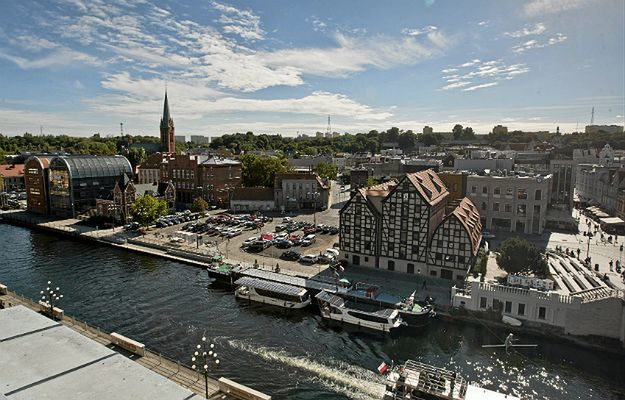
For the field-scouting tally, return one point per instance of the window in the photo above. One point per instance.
(366, 259)
(34, 171)
(391, 265)
(391, 247)
(496, 304)
(542, 312)
(438, 256)
(508, 308)
(497, 191)
(415, 249)
(484, 189)
(446, 232)
(495, 206)
(403, 236)
(538, 195)
(367, 246)
(432, 273)
(461, 259)
(521, 209)
(509, 192)
(521, 194)
(508, 207)
(461, 246)
(410, 269)
(482, 302)
(473, 189)
(521, 309)
(484, 206)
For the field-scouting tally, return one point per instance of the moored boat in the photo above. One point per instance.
(272, 293)
(416, 381)
(335, 308)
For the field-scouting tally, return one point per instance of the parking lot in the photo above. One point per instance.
(254, 241)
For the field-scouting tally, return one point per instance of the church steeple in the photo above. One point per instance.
(167, 130)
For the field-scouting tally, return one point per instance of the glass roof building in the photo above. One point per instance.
(75, 182)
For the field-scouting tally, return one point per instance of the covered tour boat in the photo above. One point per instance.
(273, 293)
(335, 308)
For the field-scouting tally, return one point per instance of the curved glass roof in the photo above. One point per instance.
(93, 166)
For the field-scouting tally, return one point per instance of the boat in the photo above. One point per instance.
(414, 313)
(272, 293)
(336, 308)
(414, 380)
(510, 321)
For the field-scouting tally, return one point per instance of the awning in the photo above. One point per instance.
(612, 221)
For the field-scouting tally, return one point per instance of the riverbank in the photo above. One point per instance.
(390, 282)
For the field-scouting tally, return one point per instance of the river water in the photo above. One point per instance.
(168, 306)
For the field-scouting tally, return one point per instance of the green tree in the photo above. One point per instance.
(457, 131)
(146, 209)
(518, 255)
(199, 205)
(325, 170)
(467, 133)
(370, 181)
(136, 156)
(261, 171)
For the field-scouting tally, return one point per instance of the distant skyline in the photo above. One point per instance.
(81, 67)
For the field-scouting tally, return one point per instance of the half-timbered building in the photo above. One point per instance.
(360, 221)
(456, 242)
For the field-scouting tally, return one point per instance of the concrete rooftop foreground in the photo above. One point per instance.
(42, 359)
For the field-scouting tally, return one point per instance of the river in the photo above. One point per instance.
(168, 306)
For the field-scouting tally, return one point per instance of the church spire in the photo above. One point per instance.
(166, 110)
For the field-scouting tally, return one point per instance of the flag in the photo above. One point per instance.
(383, 368)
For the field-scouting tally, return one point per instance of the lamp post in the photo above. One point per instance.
(588, 247)
(203, 356)
(314, 196)
(51, 296)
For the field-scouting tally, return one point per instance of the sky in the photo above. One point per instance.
(81, 67)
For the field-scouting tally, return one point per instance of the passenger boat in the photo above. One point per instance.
(414, 314)
(273, 293)
(335, 308)
(417, 381)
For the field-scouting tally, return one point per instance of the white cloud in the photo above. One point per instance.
(78, 85)
(537, 29)
(482, 86)
(419, 31)
(55, 58)
(541, 7)
(355, 54)
(474, 71)
(455, 85)
(484, 23)
(318, 25)
(535, 44)
(243, 23)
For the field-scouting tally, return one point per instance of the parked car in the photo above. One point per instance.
(131, 226)
(234, 232)
(290, 255)
(280, 228)
(308, 240)
(308, 259)
(327, 258)
(295, 239)
(286, 220)
(251, 240)
(281, 236)
(283, 244)
(334, 230)
(310, 230)
(333, 251)
(259, 245)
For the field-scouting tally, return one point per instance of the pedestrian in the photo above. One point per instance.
(578, 251)
(611, 265)
(425, 286)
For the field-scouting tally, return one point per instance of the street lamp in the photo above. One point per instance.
(51, 296)
(314, 196)
(203, 356)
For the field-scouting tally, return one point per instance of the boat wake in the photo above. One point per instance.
(341, 377)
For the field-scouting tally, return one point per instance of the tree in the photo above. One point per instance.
(467, 133)
(325, 170)
(136, 156)
(261, 171)
(457, 131)
(517, 255)
(370, 181)
(199, 205)
(146, 209)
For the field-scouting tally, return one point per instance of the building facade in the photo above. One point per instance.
(246, 199)
(600, 185)
(396, 225)
(456, 241)
(36, 180)
(75, 182)
(301, 191)
(511, 203)
(456, 183)
(13, 176)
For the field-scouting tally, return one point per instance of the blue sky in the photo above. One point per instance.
(282, 66)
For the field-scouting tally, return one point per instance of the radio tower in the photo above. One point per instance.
(121, 129)
(329, 130)
(592, 116)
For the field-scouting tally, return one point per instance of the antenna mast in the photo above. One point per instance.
(592, 116)
(121, 129)
(329, 130)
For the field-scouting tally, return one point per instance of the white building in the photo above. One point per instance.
(180, 139)
(581, 305)
(199, 139)
(513, 203)
(301, 191)
(246, 199)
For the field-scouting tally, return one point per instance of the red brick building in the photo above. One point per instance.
(36, 181)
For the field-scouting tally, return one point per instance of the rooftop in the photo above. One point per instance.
(49, 360)
(12, 170)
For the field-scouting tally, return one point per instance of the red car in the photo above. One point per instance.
(309, 230)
